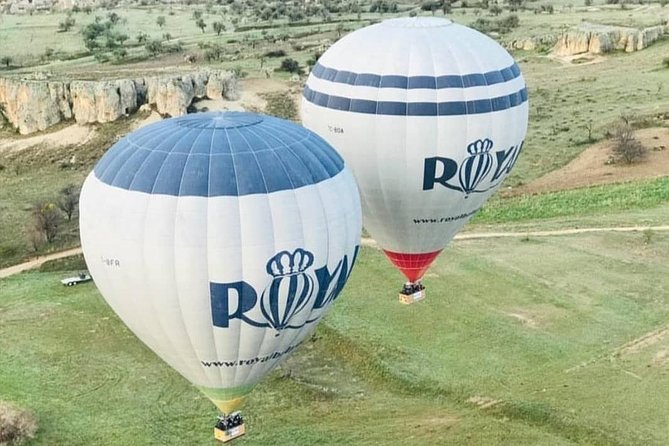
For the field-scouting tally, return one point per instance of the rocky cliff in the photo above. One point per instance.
(597, 39)
(531, 43)
(31, 106)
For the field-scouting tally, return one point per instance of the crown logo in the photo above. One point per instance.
(479, 146)
(285, 263)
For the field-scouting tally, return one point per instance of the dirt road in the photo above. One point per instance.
(480, 235)
(34, 263)
(37, 262)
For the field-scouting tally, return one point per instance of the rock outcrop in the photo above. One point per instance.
(531, 43)
(102, 101)
(598, 39)
(32, 106)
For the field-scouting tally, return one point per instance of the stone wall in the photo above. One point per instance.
(32, 106)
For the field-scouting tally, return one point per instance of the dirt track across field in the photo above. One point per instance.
(36, 262)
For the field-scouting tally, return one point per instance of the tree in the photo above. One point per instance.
(120, 54)
(290, 65)
(197, 15)
(200, 24)
(160, 20)
(47, 220)
(626, 147)
(446, 7)
(6, 61)
(69, 200)
(66, 24)
(218, 28)
(113, 18)
(339, 29)
(589, 126)
(167, 36)
(154, 47)
(515, 4)
(142, 37)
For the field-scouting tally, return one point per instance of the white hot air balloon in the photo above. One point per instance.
(431, 117)
(221, 240)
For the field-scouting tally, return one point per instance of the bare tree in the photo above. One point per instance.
(218, 27)
(47, 220)
(69, 200)
(626, 147)
(589, 127)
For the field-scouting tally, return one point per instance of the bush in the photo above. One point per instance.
(281, 105)
(9, 251)
(275, 53)
(16, 426)
(626, 147)
(73, 263)
(290, 65)
(665, 62)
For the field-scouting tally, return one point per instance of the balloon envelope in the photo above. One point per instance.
(431, 117)
(221, 240)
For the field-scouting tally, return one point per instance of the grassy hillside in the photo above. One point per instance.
(505, 350)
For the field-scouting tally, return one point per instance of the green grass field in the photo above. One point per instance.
(551, 341)
(569, 350)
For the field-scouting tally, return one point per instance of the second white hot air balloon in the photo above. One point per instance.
(431, 116)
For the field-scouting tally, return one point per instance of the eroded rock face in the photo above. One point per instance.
(170, 95)
(103, 101)
(223, 85)
(32, 106)
(598, 39)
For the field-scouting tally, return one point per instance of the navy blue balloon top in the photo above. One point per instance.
(218, 154)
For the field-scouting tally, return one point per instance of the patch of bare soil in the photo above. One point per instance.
(591, 167)
(661, 358)
(153, 117)
(250, 98)
(69, 136)
(642, 342)
(483, 402)
(524, 319)
(578, 60)
(443, 421)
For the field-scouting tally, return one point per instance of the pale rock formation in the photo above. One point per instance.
(223, 85)
(102, 101)
(31, 106)
(170, 95)
(598, 39)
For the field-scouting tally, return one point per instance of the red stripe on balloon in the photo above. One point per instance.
(413, 266)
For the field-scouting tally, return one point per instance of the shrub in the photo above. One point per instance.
(626, 147)
(665, 62)
(281, 105)
(73, 263)
(275, 53)
(16, 426)
(290, 65)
